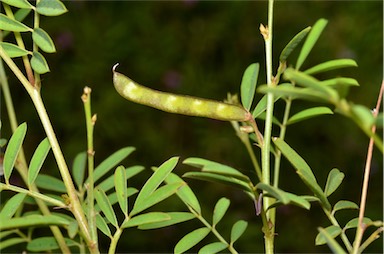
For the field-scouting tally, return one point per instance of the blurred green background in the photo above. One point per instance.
(202, 48)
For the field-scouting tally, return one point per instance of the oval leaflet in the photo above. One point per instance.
(178, 104)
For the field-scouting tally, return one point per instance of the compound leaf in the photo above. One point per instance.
(191, 239)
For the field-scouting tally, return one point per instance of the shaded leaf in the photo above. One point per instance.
(214, 167)
(274, 192)
(32, 221)
(248, 85)
(43, 40)
(37, 160)
(102, 225)
(48, 182)
(331, 65)
(261, 106)
(10, 242)
(111, 162)
(191, 239)
(292, 44)
(333, 231)
(237, 230)
(105, 206)
(51, 7)
(332, 243)
(13, 149)
(121, 188)
(220, 209)
(175, 217)
(48, 243)
(113, 196)
(363, 116)
(344, 204)
(185, 193)
(78, 168)
(303, 170)
(212, 248)
(13, 50)
(311, 40)
(309, 113)
(300, 201)
(9, 24)
(146, 218)
(11, 206)
(335, 178)
(38, 63)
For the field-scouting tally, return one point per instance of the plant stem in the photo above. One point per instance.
(75, 205)
(266, 148)
(114, 241)
(22, 166)
(90, 123)
(367, 170)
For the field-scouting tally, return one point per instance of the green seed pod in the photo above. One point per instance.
(178, 104)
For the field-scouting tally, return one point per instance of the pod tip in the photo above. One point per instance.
(114, 67)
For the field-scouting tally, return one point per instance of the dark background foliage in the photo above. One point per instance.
(202, 48)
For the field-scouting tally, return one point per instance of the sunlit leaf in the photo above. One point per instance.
(344, 204)
(9, 24)
(332, 243)
(335, 178)
(13, 149)
(303, 170)
(331, 65)
(102, 225)
(340, 81)
(220, 209)
(156, 197)
(24, 4)
(11, 206)
(332, 231)
(38, 63)
(121, 188)
(156, 179)
(105, 206)
(13, 50)
(309, 113)
(113, 196)
(146, 218)
(191, 239)
(111, 162)
(261, 106)
(48, 243)
(292, 44)
(109, 183)
(237, 230)
(248, 85)
(185, 193)
(311, 40)
(214, 167)
(175, 217)
(32, 221)
(51, 7)
(212, 248)
(37, 160)
(43, 40)
(355, 222)
(363, 116)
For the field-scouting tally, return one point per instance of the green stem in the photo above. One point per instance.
(114, 241)
(90, 123)
(266, 148)
(34, 194)
(75, 205)
(22, 166)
